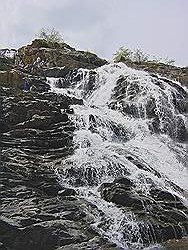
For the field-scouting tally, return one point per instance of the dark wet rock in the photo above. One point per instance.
(120, 193)
(90, 87)
(43, 121)
(67, 192)
(74, 76)
(56, 72)
(44, 235)
(142, 165)
(150, 108)
(29, 113)
(36, 212)
(164, 195)
(3, 126)
(37, 217)
(38, 84)
(160, 115)
(95, 243)
(92, 119)
(92, 123)
(127, 183)
(163, 215)
(70, 79)
(36, 134)
(63, 101)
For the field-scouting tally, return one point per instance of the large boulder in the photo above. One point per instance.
(160, 214)
(40, 56)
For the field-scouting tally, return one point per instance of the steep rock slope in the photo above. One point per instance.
(91, 158)
(35, 214)
(35, 130)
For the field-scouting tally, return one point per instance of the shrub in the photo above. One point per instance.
(169, 61)
(122, 55)
(139, 56)
(50, 35)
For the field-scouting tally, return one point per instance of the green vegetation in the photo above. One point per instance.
(50, 35)
(124, 54)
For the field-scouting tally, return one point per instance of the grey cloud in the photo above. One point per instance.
(157, 27)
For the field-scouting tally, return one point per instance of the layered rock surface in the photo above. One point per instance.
(35, 212)
(36, 134)
(34, 62)
(172, 72)
(165, 213)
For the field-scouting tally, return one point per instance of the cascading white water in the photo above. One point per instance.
(106, 136)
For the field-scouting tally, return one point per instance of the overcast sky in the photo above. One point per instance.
(158, 27)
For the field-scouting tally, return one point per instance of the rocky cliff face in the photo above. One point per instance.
(81, 164)
(36, 213)
(173, 72)
(42, 59)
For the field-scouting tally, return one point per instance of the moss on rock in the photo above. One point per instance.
(42, 54)
(11, 79)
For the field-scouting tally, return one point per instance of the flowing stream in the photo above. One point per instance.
(128, 117)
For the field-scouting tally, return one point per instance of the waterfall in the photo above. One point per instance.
(130, 135)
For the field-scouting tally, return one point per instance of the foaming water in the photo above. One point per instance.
(114, 126)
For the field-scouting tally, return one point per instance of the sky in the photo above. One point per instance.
(157, 27)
